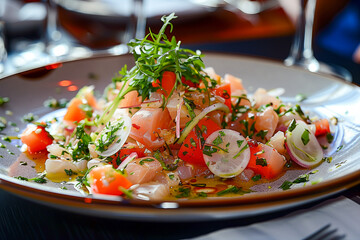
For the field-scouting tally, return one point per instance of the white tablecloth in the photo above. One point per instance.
(342, 213)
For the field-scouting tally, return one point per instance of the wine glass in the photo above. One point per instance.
(58, 45)
(2, 41)
(301, 53)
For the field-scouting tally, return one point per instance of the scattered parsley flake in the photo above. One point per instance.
(142, 162)
(70, 172)
(329, 137)
(256, 177)
(183, 192)
(292, 126)
(218, 140)
(4, 100)
(339, 148)
(305, 137)
(262, 134)
(261, 161)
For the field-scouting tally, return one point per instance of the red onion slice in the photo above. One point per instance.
(121, 135)
(177, 118)
(226, 153)
(302, 145)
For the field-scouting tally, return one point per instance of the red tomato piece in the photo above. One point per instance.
(322, 127)
(106, 180)
(224, 91)
(265, 160)
(189, 83)
(167, 83)
(191, 149)
(124, 152)
(36, 138)
(74, 112)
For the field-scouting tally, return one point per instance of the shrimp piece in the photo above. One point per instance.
(142, 170)
(58, 166)
(267, 121)
(131, 99)
(146, 123)
(169, 178)
(211, 72)
(172, 107)
(285, 119)
(150, 191)
(278, 142)
(261, 97)
(236, 86)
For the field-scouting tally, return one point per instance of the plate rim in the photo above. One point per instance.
(332, 186)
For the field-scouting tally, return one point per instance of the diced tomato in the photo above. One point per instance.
(265, 160)
(224, 91)
(107, 180)
(167, 82)
(74, 112)
(191, 149)
(322, 127)
(124, 152)
(147, 123)
(36, 138)
(189, 83)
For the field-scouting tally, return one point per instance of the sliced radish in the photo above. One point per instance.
(113, 136)
(302, 145)
(226, 153)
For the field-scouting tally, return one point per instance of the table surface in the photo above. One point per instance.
(24, 219)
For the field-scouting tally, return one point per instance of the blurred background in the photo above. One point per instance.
(39, 32)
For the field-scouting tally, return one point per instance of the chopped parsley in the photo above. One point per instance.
(183, 192)
(53, 103)
(329, 137)
(70, 172)
(301, 179)
(108, 137)
(143, 161)
(232, 189)
(339, 148)
(292, 126)
(29, 117)
(208, 150)
(262, 134)
(2, 123)
(41, 179)
(305, 137)
(81, 150)
(218, 140)
(256, 177)
(4, 100)
(261, 161)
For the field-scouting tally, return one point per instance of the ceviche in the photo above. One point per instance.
(171, 127)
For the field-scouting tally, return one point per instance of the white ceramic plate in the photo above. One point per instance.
(326, 97)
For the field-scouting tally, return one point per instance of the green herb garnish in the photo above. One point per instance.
(142, 162)
(305, 137)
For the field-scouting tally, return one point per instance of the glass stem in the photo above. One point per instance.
(301, 52)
